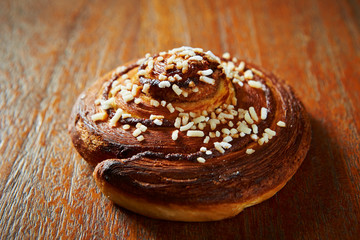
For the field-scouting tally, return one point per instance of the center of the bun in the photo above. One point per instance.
(189, 73)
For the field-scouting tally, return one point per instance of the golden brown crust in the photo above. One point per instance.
(171, 211)
(163, 174)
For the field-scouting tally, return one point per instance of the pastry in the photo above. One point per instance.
(185, 135)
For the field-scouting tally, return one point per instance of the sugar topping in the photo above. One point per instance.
(172, 73)
(281, 124)
(99, 116)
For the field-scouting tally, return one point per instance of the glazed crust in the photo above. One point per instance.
(160, 177)
(172, 211)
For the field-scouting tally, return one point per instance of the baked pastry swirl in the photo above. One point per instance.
(185, 135)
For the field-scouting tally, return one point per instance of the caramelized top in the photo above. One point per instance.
(188, 119)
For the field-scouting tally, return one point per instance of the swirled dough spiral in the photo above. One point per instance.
(188, 136)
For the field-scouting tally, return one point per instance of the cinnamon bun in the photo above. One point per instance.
(186, 135)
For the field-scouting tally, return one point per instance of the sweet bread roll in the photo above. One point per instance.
(187, 136)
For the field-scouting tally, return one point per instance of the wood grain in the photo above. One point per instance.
(51, 50)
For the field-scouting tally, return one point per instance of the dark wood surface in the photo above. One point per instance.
(51, 50)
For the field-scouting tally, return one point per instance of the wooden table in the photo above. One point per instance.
(51, 50)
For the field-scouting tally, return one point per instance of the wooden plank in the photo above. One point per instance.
(50, 52)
